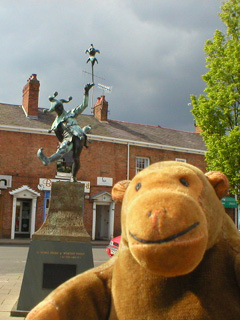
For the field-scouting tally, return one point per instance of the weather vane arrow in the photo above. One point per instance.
(92, 52)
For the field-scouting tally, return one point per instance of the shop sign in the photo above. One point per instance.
(5, 181)
(103, 181)
(229, 202)
(46, 184)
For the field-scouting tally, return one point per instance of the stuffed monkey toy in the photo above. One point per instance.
(178, 257)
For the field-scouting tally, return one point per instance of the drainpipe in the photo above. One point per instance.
(237, 213)
(128, 157)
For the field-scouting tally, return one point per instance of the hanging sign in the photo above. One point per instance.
(46, 184)
(229, 202)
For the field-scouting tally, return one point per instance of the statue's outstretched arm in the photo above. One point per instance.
(79, 109)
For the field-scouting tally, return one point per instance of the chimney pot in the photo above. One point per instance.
(33, 77)
(197, 128)
(100, 109)
(30, 97)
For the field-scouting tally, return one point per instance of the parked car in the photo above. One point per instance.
(112, 248)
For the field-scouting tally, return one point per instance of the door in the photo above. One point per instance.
(23, 217)
(102, 222)
(47, 195)
(1, 215)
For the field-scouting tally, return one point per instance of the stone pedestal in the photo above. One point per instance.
(65, 218)
(59, 250)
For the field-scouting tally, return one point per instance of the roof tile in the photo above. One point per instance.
(13, 115)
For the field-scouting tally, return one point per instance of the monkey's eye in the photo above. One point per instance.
(138, 186)
(184, 182)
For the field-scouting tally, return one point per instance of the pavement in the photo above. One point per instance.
(10, 284)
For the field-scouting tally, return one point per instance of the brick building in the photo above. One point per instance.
(116, 152)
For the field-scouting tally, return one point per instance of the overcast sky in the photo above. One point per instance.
(151, 53)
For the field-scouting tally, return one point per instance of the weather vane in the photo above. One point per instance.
(92, 52)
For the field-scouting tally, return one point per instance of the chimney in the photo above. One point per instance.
(30, 97)
(100, 109)
(197, 128)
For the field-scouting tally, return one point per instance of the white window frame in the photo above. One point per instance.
(180, 160)
(145, 163)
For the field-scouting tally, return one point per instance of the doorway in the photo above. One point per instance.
(1, 215)
(102, 222)
(23, 218)
(103, 216)
(47, 196)
(24, 207)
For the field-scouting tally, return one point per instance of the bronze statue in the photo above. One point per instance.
(71, 136)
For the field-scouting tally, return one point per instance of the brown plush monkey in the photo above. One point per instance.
(178, 258)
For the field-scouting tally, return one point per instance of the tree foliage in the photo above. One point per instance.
(217, 111)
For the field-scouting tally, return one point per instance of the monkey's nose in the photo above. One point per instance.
(156, 215)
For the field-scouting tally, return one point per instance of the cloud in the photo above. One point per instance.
(151, 53)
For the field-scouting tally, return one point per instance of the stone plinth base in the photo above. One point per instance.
(49, 264)
(60, 249)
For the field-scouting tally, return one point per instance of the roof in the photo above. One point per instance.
(13, 115)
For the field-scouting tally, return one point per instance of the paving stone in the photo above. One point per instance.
(5, 291)
(5, 315)
(10, 285)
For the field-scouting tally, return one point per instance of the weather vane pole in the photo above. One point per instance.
(92, 52)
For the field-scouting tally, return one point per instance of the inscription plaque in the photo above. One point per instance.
(55, 274)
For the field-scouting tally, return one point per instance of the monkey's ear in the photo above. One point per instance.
(119, 189)
(219, 182)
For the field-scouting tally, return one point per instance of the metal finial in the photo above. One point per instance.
(92, 52)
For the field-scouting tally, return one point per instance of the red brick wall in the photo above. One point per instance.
(156, 155)
(19, 160)
(101, 159)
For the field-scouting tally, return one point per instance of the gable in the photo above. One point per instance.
(24, 192)
(102, 197)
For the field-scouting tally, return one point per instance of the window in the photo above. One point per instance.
(141, 163)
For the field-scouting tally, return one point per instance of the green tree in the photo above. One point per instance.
(217, 111)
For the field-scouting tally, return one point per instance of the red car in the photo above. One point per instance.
(112, 248)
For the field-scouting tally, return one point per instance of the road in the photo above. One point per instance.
(13, 259)
(12, 263)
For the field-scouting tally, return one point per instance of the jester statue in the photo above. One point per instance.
(71, 136)
(92, 52)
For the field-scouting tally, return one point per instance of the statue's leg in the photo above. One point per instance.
(42, 157)
(77, 148)
(64, 148)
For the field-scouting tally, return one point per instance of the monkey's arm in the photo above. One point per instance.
(86, 296)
